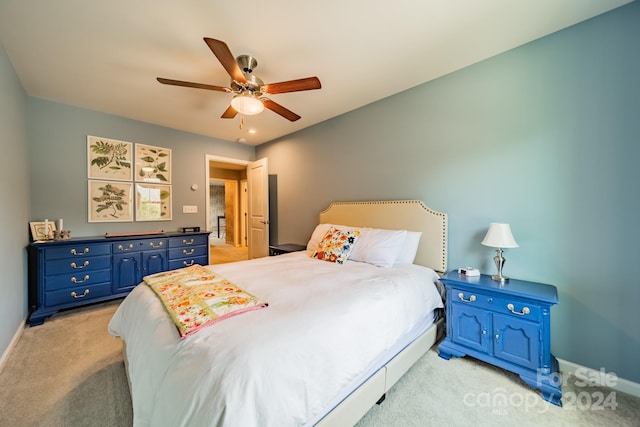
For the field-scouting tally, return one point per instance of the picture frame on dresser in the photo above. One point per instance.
(42, 230)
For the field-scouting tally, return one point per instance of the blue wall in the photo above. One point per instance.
(545, 137)
(58, 135)
(14, 197)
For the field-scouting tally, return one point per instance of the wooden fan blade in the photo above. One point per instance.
(226, 58)
(229, 113)
(279, 109)
(309, 83)
(194, 85)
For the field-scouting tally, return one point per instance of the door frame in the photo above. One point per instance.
(211, 158)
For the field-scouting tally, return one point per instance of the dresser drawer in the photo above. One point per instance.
(77, 265)
(187, 262)
(76, 294)
(500, 304)
(177, 242)
(79, 250)
(138, 245)
(71, 280)
(188, 252)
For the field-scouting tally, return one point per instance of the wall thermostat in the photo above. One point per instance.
(469, 271)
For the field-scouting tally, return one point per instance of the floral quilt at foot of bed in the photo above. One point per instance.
(196, 297)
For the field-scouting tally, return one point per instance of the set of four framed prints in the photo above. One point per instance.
(128, 181)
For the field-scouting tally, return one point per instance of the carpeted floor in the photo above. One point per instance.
(221, 254)
(69, 372)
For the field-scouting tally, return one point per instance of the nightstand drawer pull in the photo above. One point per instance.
(76, 296)
(128, 248)
(153, 245)
(184, 242)
(74, 280)
(78, 267)
(472, 298)
(186, 252)
(189, 264)
(524, 311)
(74, 252)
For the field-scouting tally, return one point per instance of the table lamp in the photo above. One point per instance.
(499, 236)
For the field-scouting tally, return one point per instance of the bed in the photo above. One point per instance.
(332, 341)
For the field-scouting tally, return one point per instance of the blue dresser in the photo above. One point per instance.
(506, 325)
(70, 273)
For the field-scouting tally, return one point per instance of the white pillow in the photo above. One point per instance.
(317, 235)
(410, 248)
(378, 247)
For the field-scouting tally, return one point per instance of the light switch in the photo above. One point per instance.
(189, 209)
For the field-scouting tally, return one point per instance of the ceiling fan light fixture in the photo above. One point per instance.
(247, 104)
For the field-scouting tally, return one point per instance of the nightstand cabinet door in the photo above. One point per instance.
(517, 341)
(470, 326)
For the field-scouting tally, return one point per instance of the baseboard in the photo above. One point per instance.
(12, 344)
(599, 377)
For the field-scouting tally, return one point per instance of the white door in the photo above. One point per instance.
(258, 185)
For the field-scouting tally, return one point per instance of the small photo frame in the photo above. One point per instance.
(109, 159)
(153, 202)
(153, 164)
(110, 201)
(42, 230)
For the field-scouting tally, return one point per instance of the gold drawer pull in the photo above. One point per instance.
(74, 280)
(128, 248)
(184, 242)
(86, 292)
(74, 252)
(472, 298)
(189, 264)
(153, 245)
(184, 251)
(524, 311)
(77, 267)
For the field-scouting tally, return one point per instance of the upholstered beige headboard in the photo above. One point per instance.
(412, 215)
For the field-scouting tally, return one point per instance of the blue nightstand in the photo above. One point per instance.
(506, 325)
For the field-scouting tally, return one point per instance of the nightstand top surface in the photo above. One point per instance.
(523, 288)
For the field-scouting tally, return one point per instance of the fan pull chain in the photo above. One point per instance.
(241, 122)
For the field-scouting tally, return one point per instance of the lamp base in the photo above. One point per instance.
(499, 278)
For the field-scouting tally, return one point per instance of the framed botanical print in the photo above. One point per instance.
(110, 201)
(153, 202)
(109, 159)
(153, 164)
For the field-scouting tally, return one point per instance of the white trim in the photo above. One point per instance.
(598, 377)
(208, 158)
(12, 344)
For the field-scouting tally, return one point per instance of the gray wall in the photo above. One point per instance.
(545, 137)
(14, 196)
(58, 135)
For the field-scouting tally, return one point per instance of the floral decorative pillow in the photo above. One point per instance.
(336, 245)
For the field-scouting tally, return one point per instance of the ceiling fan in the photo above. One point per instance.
(250, 91)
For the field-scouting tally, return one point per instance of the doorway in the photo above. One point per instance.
(246, 215)
(227, 210)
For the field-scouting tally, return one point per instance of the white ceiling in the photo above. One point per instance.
(106, 55)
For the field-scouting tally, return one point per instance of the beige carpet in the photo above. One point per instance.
(228, 253)
(69, 372)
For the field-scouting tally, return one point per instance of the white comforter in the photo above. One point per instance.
(278, 366)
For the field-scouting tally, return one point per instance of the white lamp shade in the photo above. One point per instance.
(247, 104)
(499, 236)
